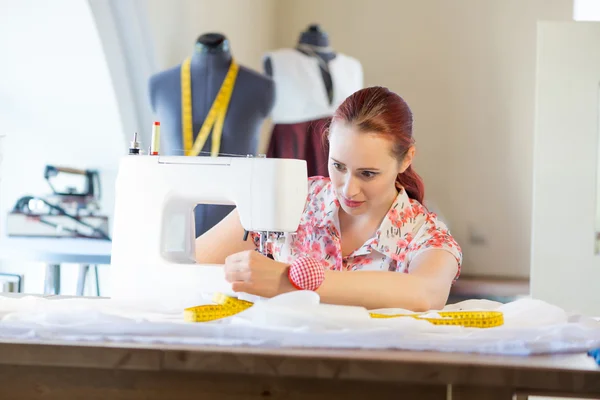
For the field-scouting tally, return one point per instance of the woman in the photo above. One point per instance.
(365, 224)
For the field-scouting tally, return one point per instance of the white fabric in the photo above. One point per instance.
(300, 92)
(298, 320)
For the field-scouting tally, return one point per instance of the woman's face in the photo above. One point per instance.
(362, 169)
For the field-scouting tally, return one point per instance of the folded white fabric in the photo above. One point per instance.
(299, 320)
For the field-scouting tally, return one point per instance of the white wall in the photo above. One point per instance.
(57, 106)
(467, 68)
(249, 25)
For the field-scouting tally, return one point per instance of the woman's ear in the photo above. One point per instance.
(408, 159)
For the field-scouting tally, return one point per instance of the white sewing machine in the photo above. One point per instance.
(153, 250)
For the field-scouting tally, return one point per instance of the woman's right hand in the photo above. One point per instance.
(253, 273)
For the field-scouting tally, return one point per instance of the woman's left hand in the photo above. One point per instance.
(253, 273)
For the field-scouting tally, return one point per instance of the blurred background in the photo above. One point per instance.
(74, 88)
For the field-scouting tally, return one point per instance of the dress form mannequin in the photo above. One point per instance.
(311, 81)
(251, 102)
(313, 41)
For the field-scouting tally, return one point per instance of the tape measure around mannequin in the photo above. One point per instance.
(227, 306)
(216, 114)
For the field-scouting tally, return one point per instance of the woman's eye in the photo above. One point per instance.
(368, 174)
(338, 166)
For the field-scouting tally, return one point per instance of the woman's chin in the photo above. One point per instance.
(354, 210)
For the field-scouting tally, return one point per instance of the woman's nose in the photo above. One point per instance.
(351, 188)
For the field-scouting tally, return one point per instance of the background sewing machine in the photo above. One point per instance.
(153, 245)
(72, 210)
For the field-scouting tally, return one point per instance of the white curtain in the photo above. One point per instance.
(129, 48)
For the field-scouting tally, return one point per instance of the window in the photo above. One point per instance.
(586, 10)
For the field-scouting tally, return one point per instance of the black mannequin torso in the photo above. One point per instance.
(313, 41)
(251, 102)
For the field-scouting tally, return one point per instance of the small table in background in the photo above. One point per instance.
(56, 251)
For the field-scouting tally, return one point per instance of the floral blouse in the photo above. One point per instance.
(407, 230)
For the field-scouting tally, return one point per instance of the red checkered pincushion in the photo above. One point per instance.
(306, 273)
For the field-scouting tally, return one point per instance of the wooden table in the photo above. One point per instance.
(125, 371)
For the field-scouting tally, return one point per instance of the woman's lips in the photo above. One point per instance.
(351, 203)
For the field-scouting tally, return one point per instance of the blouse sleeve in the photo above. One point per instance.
(434, 234)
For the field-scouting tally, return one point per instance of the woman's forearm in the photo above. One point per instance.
(425, 288)
(377, 289)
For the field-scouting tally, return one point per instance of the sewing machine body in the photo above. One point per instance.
(153, 250)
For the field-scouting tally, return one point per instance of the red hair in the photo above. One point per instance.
(379, 110)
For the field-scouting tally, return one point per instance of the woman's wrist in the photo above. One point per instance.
(285, 285)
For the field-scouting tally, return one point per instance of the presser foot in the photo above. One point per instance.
(265, 238)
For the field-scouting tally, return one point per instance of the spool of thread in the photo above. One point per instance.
(154, 147)
(134, 147)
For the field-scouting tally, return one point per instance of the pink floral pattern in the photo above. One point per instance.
(407, 230)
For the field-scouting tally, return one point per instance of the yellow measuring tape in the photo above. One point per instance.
(226, 306)
(216, 114)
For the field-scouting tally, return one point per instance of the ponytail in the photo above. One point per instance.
(412, 183)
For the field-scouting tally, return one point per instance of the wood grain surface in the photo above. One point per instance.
(118, 370)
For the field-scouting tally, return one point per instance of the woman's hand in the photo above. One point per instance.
(253, 273)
